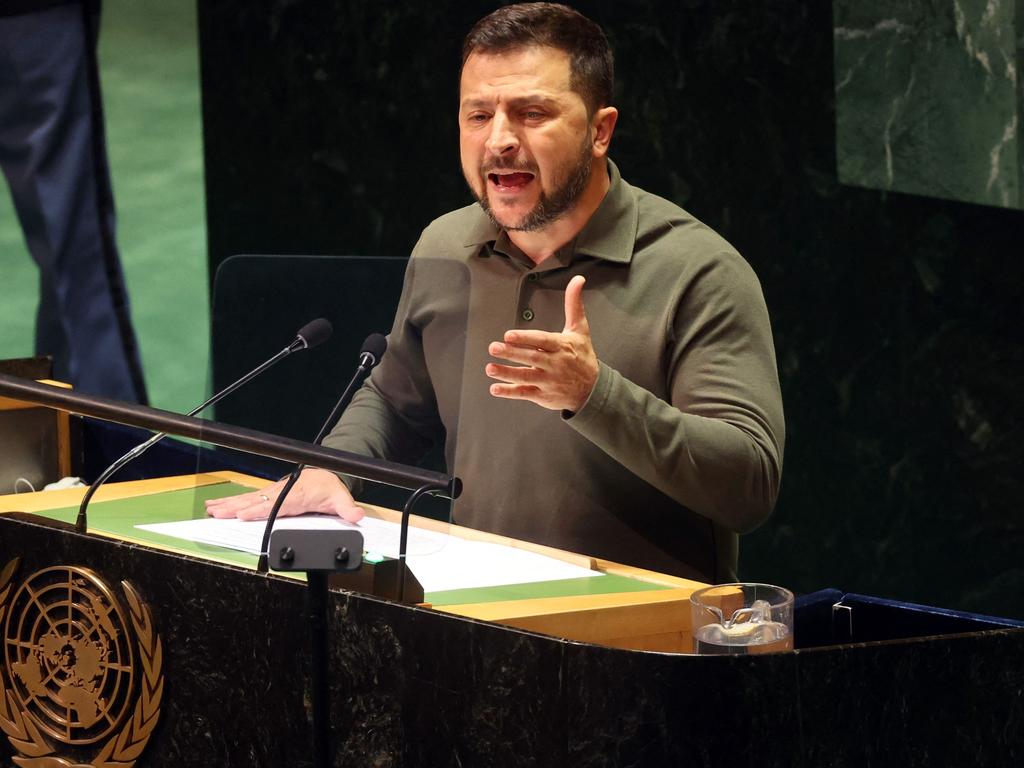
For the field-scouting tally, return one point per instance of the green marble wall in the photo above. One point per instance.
(928, 99)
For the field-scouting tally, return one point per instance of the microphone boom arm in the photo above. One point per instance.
(141, 448)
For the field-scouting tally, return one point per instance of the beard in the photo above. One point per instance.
(575, 175)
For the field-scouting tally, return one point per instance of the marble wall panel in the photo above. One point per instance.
(928, 98)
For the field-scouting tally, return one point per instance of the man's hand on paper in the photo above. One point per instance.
(317, 490)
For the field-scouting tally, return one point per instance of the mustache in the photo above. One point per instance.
(508, 164)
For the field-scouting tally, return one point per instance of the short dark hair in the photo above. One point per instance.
(591, 65)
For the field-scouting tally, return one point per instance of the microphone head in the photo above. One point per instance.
(314, 333)
(374, 347)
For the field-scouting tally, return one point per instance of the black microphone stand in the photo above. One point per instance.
(318, 553)
(317, 330)
(451, 489)
(366, 363)
(141, 448)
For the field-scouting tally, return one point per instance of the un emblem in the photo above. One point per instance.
(76, 669)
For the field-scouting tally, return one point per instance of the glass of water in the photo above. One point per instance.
(742, 619)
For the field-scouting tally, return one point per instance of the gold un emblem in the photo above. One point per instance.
(79, 674)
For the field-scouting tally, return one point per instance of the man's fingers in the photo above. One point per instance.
(352, 514)
(243, 509)
(516, 391)
(575, 315)
(512, 374)
(517, 354)
(316, 491)
(519, 339)
(256, 512)
(231, 506)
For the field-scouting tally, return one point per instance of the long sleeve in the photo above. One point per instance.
(394, 414)
(717, 446)
(410, 401)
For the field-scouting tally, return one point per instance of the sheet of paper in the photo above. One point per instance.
(440, 561)
(379, 536)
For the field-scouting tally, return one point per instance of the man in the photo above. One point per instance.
(648, 429)
(53, 153)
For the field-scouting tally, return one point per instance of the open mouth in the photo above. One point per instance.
(509, 181)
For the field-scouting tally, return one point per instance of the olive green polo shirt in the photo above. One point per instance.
(679, 446)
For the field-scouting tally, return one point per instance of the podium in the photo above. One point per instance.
(226, 665)
(235, 665)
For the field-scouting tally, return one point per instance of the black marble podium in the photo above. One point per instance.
(413, 687)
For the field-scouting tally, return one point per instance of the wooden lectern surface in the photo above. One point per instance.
(627, 607)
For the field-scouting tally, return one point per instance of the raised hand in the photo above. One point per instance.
(554, 370)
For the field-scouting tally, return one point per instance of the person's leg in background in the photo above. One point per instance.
(53, 153)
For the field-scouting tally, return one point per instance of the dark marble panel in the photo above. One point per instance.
(1018, 28)
(945, 701)
(927, 98)
(681, 710)
(329, 127)
(416, 688)
(411, 687)
(408, 686)
(233, 681)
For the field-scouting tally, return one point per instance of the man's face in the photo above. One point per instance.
(524, 136)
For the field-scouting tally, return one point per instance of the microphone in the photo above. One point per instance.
(312, 334)
(369, 355)
(374, 347)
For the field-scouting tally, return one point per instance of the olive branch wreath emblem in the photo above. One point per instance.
(124, 747)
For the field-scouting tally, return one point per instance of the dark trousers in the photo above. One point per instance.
(53, 153)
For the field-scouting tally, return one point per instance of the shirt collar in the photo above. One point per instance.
(608, 235)
(611, 231)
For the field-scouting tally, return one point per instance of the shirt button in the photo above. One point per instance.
(527, 314)
(532, 277)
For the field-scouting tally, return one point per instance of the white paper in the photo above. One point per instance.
(440, 561)
(379, 536)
